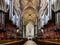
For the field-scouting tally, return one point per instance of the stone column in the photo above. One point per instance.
(19, 22)
(39, 26)
(11, 9)
(49, 9)
(3, 18)
(58, 18)
(2, 13)
(56, 8)
(35, 30)
(23, 27)
(0, 17)
(23, 32)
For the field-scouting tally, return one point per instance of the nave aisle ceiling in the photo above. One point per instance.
(29, 3)
(35, 4)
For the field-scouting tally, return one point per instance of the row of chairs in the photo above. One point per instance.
(51, 31)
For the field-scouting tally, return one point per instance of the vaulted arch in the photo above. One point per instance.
(29, 15)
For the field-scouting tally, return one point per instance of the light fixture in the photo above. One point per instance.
(17, 30)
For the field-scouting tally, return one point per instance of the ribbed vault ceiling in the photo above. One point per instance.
(29, 3)
(29, 15)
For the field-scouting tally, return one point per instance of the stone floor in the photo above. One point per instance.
(30, 42)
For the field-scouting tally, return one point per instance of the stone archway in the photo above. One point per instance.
(29, 16)
(30, 30)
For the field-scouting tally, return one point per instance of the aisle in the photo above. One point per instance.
(30, 42)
